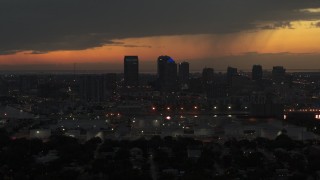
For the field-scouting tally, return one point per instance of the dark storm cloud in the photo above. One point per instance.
(278, 25)
(49, 25)
(37, 52)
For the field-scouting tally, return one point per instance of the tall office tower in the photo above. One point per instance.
(257, 72)
(207, 80)
(92, 88)
(131, 71)
(207, 75)
(184, 74)
(231, 72)
(278, 72)
(167, 74)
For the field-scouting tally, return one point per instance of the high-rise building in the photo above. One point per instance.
(184, 74)
(279, 75)
(207, 75)
(167, 74)
(230, 73)
(257, 72)
(278, 72)
(131, 71)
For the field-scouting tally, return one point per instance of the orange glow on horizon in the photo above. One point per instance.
(301, 39)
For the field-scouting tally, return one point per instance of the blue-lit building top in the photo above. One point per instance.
(171, 60)
(165, 59)
(131, 71)
(167, 73)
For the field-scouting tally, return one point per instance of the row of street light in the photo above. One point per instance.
(194, 108)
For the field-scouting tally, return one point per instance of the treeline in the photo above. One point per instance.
(166, 158)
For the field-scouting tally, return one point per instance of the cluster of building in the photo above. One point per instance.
(167, 73)
(217, 88)
(53, 99)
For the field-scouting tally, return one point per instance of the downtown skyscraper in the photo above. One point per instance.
(257, 72)
(131, 71)
(184, 74)
(167, 74)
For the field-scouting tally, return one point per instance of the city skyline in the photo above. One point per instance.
(147, 68)
(159, 90)
(209, 33)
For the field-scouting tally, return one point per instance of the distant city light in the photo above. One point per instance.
(195, 107)
(38, 132)
(168, 118)
(229, 107)
(168, 108)
(215, 107)
(153, 108)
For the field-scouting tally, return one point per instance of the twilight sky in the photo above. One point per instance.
(96, 34)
